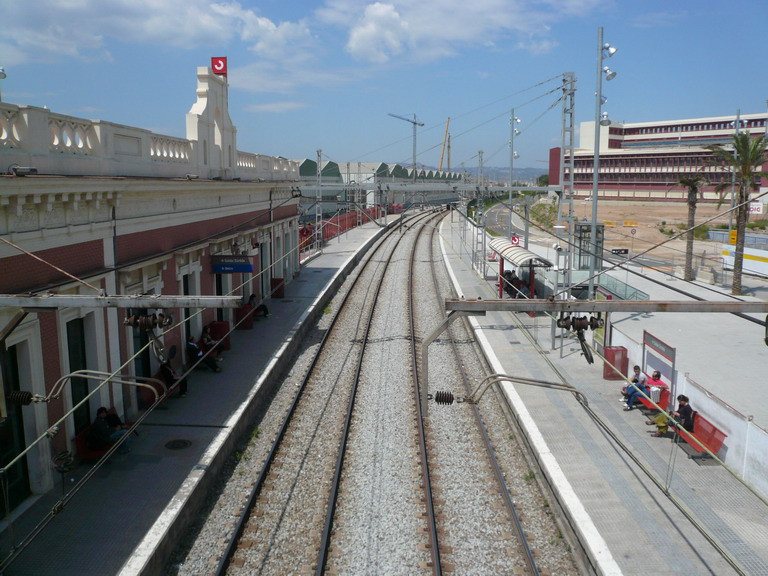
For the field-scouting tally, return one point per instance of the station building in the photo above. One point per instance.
(645, 160)
(97, 208)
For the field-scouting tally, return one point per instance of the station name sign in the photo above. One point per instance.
(231, 264)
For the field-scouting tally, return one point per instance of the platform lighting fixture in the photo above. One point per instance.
(604, 50)
(513, 155)
(2, 77)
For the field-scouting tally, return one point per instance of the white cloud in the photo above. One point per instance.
(45, 29)
(424, 31)
(379, 34)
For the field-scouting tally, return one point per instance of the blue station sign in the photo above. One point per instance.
(231, 264)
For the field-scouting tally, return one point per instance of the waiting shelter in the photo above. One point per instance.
(519, 258)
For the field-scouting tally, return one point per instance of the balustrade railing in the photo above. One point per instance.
(66, 145)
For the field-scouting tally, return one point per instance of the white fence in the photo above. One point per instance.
(747, 443)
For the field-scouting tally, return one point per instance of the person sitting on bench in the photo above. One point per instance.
(260, 309)
(103, 434)
(634, 393)
(194, 354)
(683, 415)
(208, 343)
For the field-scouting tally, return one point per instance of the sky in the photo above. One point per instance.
(326, 75)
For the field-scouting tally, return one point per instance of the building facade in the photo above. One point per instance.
(93, 208)
(645, 160)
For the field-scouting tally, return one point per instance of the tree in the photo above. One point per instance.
(693, 182)
(744, 161)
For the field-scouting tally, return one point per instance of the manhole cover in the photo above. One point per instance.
(178, 444)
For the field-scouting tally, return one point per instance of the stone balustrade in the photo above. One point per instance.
(58, 144)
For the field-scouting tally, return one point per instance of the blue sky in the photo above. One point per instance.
(307, 75)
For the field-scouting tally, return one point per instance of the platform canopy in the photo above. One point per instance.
(517, 255)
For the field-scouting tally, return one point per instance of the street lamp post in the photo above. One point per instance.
(601, 119)
(513, 120)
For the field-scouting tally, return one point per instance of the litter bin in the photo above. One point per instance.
(278, 287)
(243, 320)
(616, 356)
(220, 331)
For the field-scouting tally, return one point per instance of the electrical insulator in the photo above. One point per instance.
(444, 397)
(22, 397)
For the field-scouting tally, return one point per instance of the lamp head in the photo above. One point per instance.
(604, 120)
(609, 50)
(609, 74)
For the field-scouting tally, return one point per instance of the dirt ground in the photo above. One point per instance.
(646, 218)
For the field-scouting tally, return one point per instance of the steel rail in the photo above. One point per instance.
(322, 558)
(232, 544)
(497, 471)
(437, 568)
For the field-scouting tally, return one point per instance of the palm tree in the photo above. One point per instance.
(745, 162)
(693, 182)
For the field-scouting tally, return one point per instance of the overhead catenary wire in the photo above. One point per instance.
(455, 117)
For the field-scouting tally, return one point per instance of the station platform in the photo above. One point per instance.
(630, 525)
(132, 503)
(606, 477)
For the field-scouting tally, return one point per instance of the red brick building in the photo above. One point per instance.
(90, 208)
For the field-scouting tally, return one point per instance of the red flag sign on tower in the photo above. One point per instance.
(219, 65)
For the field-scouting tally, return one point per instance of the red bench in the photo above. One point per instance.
(706, 433)
(82, 446)
(663, 400)
(83, 449)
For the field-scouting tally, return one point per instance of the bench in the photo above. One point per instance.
(83, 450)
(706, 433)
(663, 400)
(82, 446)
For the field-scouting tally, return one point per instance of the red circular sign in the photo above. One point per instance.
(515, 240)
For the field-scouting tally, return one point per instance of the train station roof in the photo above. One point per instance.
(517, 255)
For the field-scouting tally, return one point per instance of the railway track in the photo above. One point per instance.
(352, 481)
(471, 494)
(284, 527)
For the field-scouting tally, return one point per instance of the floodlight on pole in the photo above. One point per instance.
(513, 131)
(604, 50)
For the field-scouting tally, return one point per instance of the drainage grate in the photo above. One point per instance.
(178, 444)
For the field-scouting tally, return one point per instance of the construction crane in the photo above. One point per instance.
(445, 139)
(415, 124)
